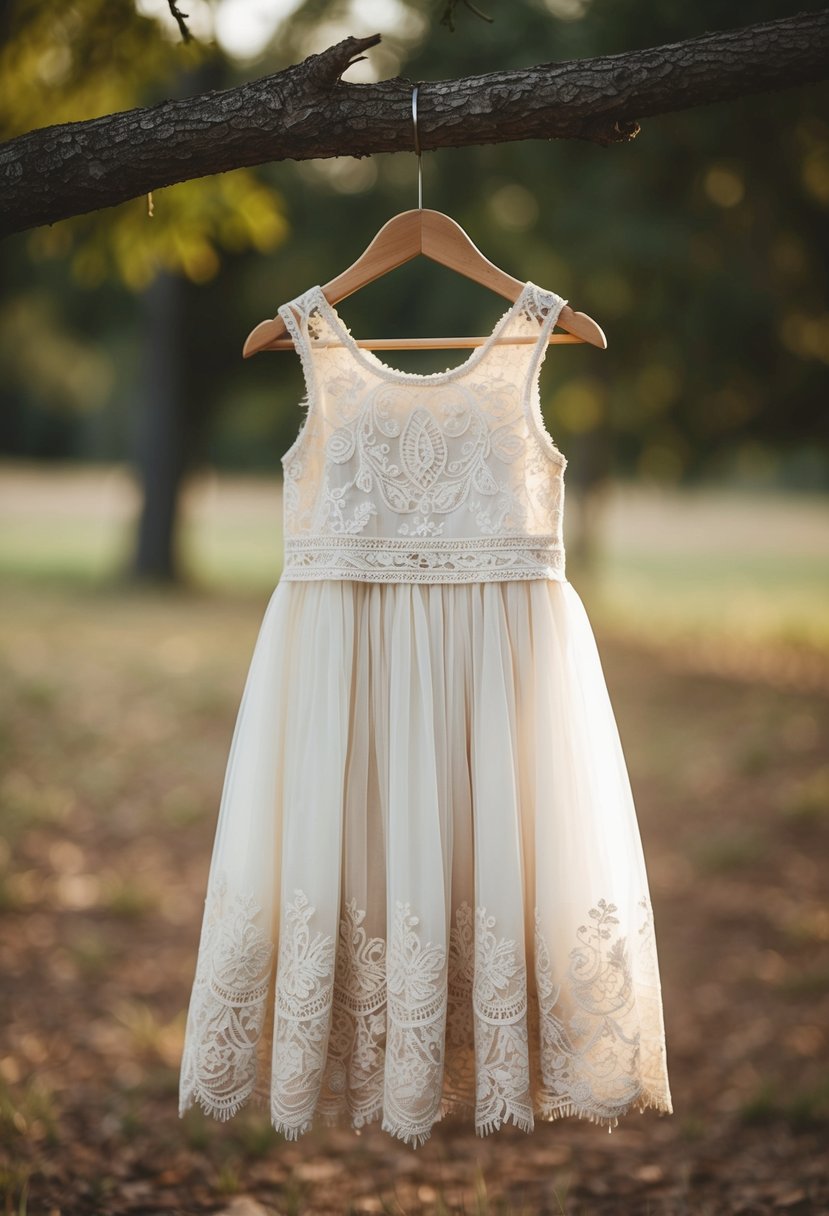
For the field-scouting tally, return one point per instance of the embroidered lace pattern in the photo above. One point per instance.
(375, 559)
(408, 1032)
(228, 1006)
(415, 1028)
(304, 992)
(590, 1019)
(353, 1082)
(446, 477)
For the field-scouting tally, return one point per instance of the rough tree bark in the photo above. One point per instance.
(308, 112)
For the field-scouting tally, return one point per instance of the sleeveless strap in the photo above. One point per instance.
(296, 315)
(544, 308)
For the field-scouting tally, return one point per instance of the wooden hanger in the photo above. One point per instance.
(436, 236)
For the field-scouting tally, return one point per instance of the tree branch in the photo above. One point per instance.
(308, 112)
(181, 18)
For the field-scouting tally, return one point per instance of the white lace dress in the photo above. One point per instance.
(427, 893)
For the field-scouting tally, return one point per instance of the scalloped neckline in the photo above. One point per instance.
(375, 364)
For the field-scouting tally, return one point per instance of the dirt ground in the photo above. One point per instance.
(116, 720)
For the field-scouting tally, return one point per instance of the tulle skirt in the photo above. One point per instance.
(427, 894)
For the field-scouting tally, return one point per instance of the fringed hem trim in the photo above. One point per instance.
(258, 1099)
(408, 1135)
(357, 1120)
(524, 1122)
(291, 1131)
(449, 1108)
(222, 1113)
(572, 1110)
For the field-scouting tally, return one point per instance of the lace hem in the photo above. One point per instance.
(229, 1005)
(411, 1032)
(450, 1108)
(398, 559)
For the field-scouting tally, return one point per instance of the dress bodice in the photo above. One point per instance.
(403, 477)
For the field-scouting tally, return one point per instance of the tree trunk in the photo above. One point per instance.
(307, 112)
(161, 447)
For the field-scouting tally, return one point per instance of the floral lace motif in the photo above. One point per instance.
(353, 1083)
(303, 1012)
(458, 455)
(488, 1006)
(591, 1023)
(416, 1011)
(408, 1031)
(228, 1006)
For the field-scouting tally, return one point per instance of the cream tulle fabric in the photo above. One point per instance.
(427, 893)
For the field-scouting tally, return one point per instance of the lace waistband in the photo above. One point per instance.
(426, 559)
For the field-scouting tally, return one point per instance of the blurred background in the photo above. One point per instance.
(140, 517)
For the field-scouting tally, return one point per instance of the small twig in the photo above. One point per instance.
(181, 19)
(448, 18)
(326, 68)
(477, 12)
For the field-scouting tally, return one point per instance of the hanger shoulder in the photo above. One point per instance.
(438, 237)
(580, 325)
(398, 241)
(445, 242)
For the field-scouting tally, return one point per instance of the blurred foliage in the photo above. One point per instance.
(64, 63)
(701, 247)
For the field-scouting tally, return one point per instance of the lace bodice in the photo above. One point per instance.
(403, 477)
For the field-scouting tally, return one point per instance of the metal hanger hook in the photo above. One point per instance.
(417, 150)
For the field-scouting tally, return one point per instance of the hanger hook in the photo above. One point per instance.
(417, 150)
